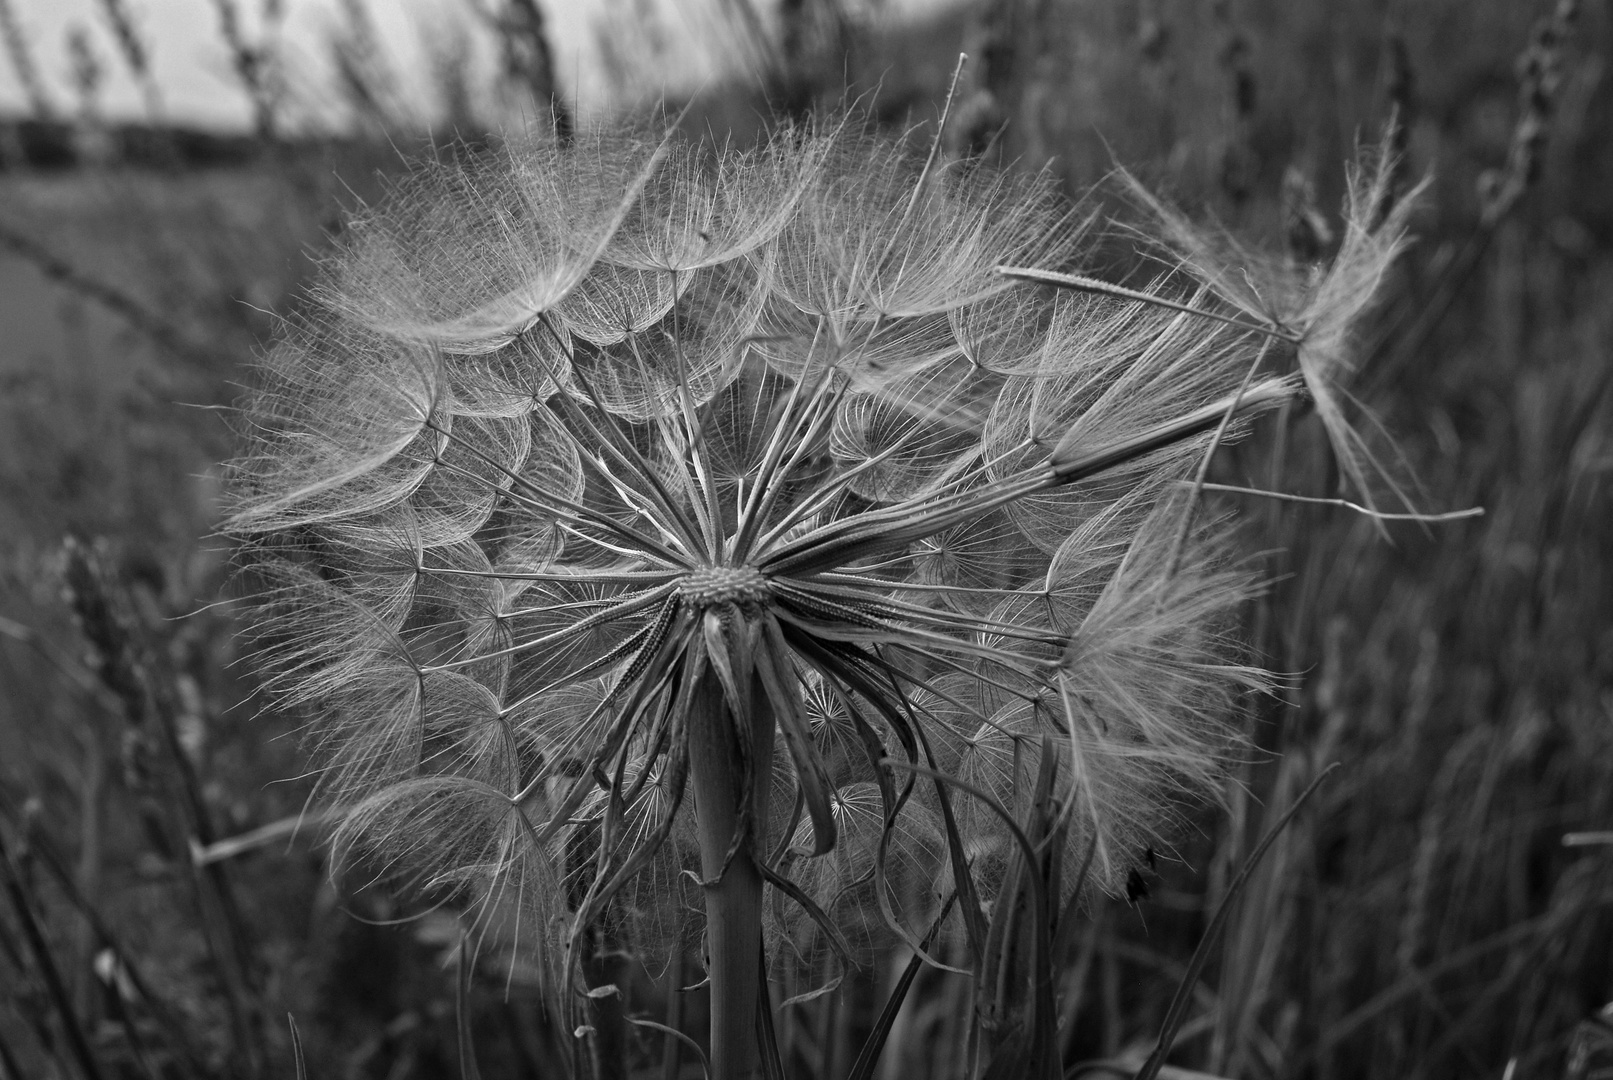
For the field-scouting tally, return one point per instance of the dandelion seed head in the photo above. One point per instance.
(577, 438)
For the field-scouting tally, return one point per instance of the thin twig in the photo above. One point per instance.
(1082, 283)
(264, 835)
(1377, 515)
(1587, 839)
(935, 147)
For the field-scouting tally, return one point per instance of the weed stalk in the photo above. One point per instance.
(719, 755)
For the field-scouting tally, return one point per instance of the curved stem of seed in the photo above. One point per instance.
(734, 903)
(1082, 283)
(1173, 561)
(1071, 464)
(1367, 511)
(797, 436)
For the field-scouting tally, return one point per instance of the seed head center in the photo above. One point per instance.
(723, 584)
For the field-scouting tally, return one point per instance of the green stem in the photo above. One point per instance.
(734, 903)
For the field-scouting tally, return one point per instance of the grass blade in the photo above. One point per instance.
(467, 1049)
(9, 1069)
(1177, 1012)
(296, 1048)
(672, 1032)
(868, 1057)
(766, 1034)
(77, 1041)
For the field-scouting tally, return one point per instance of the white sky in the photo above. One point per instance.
(192, 65)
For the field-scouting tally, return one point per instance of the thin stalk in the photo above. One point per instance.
(296, 1048)
(1081, 283)
(601, 967)
(1176, 1012)
(92, 801)
(734, 891)
(868, 1057)
(1173, 561)
(9, 1068)
(1071, 467)
(766, 1033)
(604, 968)
(45, 963)
(1376, 515)
(129, 670)
(672, 1051)
(468, 1069)
(178, 1041)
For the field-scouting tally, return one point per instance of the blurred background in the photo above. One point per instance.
(170, 172)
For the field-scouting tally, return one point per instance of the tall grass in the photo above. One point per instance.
(1419, 917)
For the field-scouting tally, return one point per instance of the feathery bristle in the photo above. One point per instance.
(576, 435)
(1318, 308)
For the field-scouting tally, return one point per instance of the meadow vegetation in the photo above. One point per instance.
(1438, 906)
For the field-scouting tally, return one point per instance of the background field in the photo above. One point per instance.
(1424, 916)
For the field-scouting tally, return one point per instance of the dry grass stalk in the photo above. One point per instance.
(254, 62)
(179, 812)
(88, 74)
(365, 76)
(21, 52)
(1540, 79)
(136, 55)
(528, 61)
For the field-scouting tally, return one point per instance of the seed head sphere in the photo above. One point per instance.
(623, 510)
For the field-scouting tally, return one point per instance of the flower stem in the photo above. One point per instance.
(734, 904)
